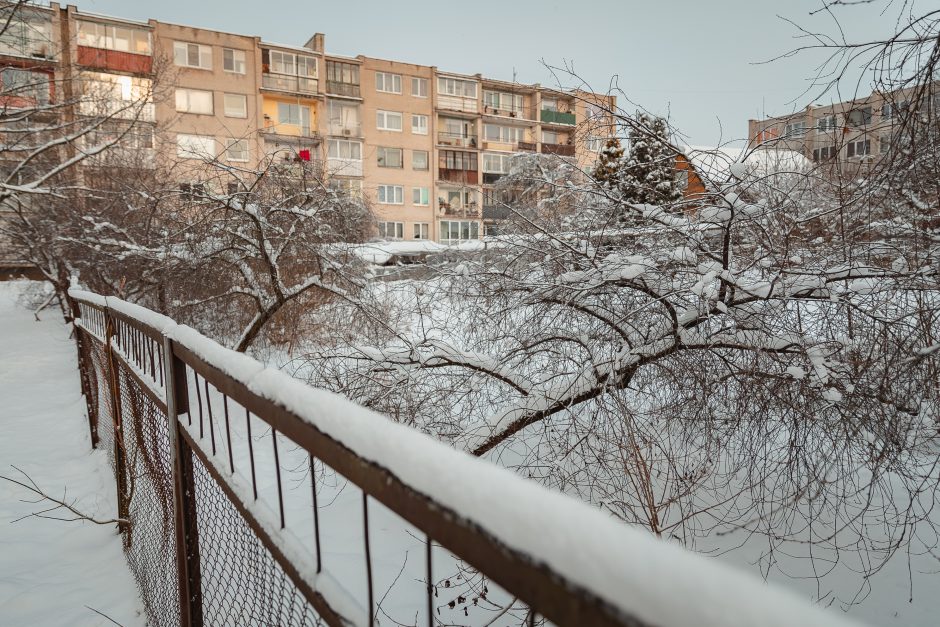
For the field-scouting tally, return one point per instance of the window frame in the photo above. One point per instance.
(382, 157)
(232, 142)
(200, 48)
(225, 108)
(382, 191)
(417, 80)
(385, 78)
(427, 160)
(384, 116)
(235, 52)
(416, 129)
(188, 92)
(422, 230)
(422, 194)
(193, 154)
(398, 227)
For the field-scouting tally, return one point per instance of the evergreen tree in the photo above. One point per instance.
(609, 165)
(648, 173)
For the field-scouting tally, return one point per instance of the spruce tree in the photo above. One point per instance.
(648, 173)
(609, 165)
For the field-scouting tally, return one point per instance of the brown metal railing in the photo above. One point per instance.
(210, 451)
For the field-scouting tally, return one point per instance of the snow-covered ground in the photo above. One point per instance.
(52, 572)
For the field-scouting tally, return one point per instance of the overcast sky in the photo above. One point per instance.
(697, 61)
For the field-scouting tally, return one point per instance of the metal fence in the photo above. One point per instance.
(242, 510)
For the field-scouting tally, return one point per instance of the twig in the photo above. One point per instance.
(59, 503)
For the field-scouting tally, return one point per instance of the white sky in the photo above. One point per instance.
(697, 61)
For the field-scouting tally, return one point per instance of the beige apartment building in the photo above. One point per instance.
(425, 146)
(850, 136)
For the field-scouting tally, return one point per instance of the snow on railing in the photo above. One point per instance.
(566, 560)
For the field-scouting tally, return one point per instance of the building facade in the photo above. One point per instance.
(851, 136)
(425, 146)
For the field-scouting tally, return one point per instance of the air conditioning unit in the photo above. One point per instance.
(347, 132)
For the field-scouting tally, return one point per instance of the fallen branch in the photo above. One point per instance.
(62, 503)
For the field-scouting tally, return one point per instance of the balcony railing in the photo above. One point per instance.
(293, 84)
(115, 60)
(523, 113)
(350, 90)
(557, 117)
(527, 146)
(460, 140)
(345, 130)
(344, 167)
(469, 177)
(491, 177)
(458, 103)
(563, 150)
(290, 130)
(454, 210)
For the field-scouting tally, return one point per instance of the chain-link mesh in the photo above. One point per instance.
(150, 544)
(242, 583)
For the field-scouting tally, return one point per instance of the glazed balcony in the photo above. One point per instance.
(467, 177)
(549, 116)
(460, 140)
(349, 90)
(288, 83)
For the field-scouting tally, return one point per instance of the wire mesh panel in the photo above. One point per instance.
(150, 541)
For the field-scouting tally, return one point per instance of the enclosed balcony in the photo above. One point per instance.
(292, 84)
(458, 140)
(564, 150)
(549, 116)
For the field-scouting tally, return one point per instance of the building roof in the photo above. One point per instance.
(722, 164)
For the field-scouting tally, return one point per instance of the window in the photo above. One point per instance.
(30, 86)
(859, 117)
(420, 196)
(292, 64)
(111, 37)
(419, 160)
(233, 60)
(419, 88)
(235, 105)
(294, 114)
(459, 230)
(503, 134)
(28, 34)
(342, 78)
(344, 118)
(859, 148)
(192, 55)
(824, 153)
(344, 149)
(192, 191)
(795, 129)
(350, 187)
(503, 103)
(891, 110)
(884, 145)
(392, 230)
(456, 87)
(391, 194)
(194, 101)
(551, 137)
(195, 146)
(595, 144)
(419, 124)
(496, 164)
(456, 160)
(388, 121)
(422, 230)
(554, 104)
(826, 123)
(236, 150)
(388, 83)
(389, 157)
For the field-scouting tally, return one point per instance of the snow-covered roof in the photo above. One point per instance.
(721, 164)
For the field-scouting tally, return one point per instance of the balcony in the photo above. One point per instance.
(292, 84)
(349, 90)
(468, 177)
(459, 140)
(344, 167)
(290, 131)
(345, 130)
(458, 103)
(563, 150)
(527, 146)
(455, 210)
(120, 61)
(491, 177)
(522, 113)
(557, 117)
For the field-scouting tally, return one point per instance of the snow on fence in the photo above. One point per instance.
(229, 472)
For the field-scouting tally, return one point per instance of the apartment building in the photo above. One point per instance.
(425, 146)
(851, 135)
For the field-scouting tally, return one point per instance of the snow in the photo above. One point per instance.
(52, 572)
(625, 566)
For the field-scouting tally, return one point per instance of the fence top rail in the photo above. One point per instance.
(623, 573)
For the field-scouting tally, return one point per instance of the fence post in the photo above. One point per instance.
(184, 491)
(83, 369)
(117, 419)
